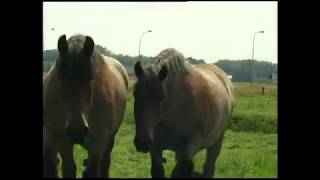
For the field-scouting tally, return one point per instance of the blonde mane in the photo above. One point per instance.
(174, 61)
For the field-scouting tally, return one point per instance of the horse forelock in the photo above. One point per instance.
(75, 44)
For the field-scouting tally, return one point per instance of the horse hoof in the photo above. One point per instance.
(196, 175)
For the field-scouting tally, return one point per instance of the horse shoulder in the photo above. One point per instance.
(54, 114)
(109, 94)
(119, 68)
(50, 83)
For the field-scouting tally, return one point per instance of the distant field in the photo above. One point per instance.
(243, 88)
(249, 149)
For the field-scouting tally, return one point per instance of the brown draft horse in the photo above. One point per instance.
(84, 103)
(183, 108)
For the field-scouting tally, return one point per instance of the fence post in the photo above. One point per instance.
(262, 90)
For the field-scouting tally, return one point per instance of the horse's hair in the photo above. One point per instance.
(76, 69)
(75, 43)
(174, 61)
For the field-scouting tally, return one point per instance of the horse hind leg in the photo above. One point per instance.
(105, 162)
(69, 168)
(211, 157)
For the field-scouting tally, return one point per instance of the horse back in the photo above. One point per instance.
(120, 68)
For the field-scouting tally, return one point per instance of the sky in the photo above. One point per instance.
(203, 30)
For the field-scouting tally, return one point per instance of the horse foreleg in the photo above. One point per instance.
(184, 166)
(69, 168)
(105, 162)
(95, 155)
(49, 163)
(157, 170)
(49, 158)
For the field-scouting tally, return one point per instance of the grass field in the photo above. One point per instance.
(249, 149)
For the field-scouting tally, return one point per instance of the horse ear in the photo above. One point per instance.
(163, 73)
(88, 46)
(62, 45)
(138, 69)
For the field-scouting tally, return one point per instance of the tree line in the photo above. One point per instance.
(239, 69)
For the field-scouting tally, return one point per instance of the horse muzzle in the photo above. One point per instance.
(77, 136)
(77, 129)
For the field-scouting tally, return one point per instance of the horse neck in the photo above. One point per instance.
(173, 82)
